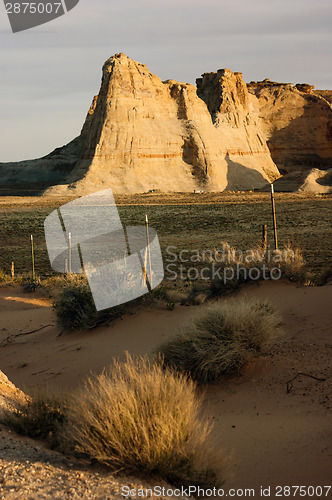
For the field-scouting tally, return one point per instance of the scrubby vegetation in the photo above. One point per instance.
(49, 284)
(75, 307)
(231, 267)
(222, 338)
(139, 417)
(36, 416)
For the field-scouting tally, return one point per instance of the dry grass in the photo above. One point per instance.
(7, 280)
(236, 267)
(222, 338)
(53, 284)
(138, 417)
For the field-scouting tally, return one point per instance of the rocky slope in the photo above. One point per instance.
(8, 392)
(143, 134)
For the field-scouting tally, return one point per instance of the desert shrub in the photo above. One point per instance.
(75, 308)
(322, 278)
(222, 338)
(31, 285)
(139, 417)
(36, 416)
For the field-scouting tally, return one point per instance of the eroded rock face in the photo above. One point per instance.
(296, 123)
(142, 134)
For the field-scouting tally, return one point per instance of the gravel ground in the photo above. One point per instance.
(30, 471)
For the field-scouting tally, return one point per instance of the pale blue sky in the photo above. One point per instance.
(49, 74)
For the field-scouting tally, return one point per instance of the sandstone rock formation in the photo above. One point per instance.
(296, 123)
(143, 134)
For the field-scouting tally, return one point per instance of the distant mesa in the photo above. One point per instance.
(143, 134)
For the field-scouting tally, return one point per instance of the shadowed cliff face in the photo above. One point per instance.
(297, 125)
(141, 133)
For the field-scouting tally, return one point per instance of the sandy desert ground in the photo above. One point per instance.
(276, 437)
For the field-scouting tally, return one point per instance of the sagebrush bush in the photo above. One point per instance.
(139, 417)
(222, 338)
